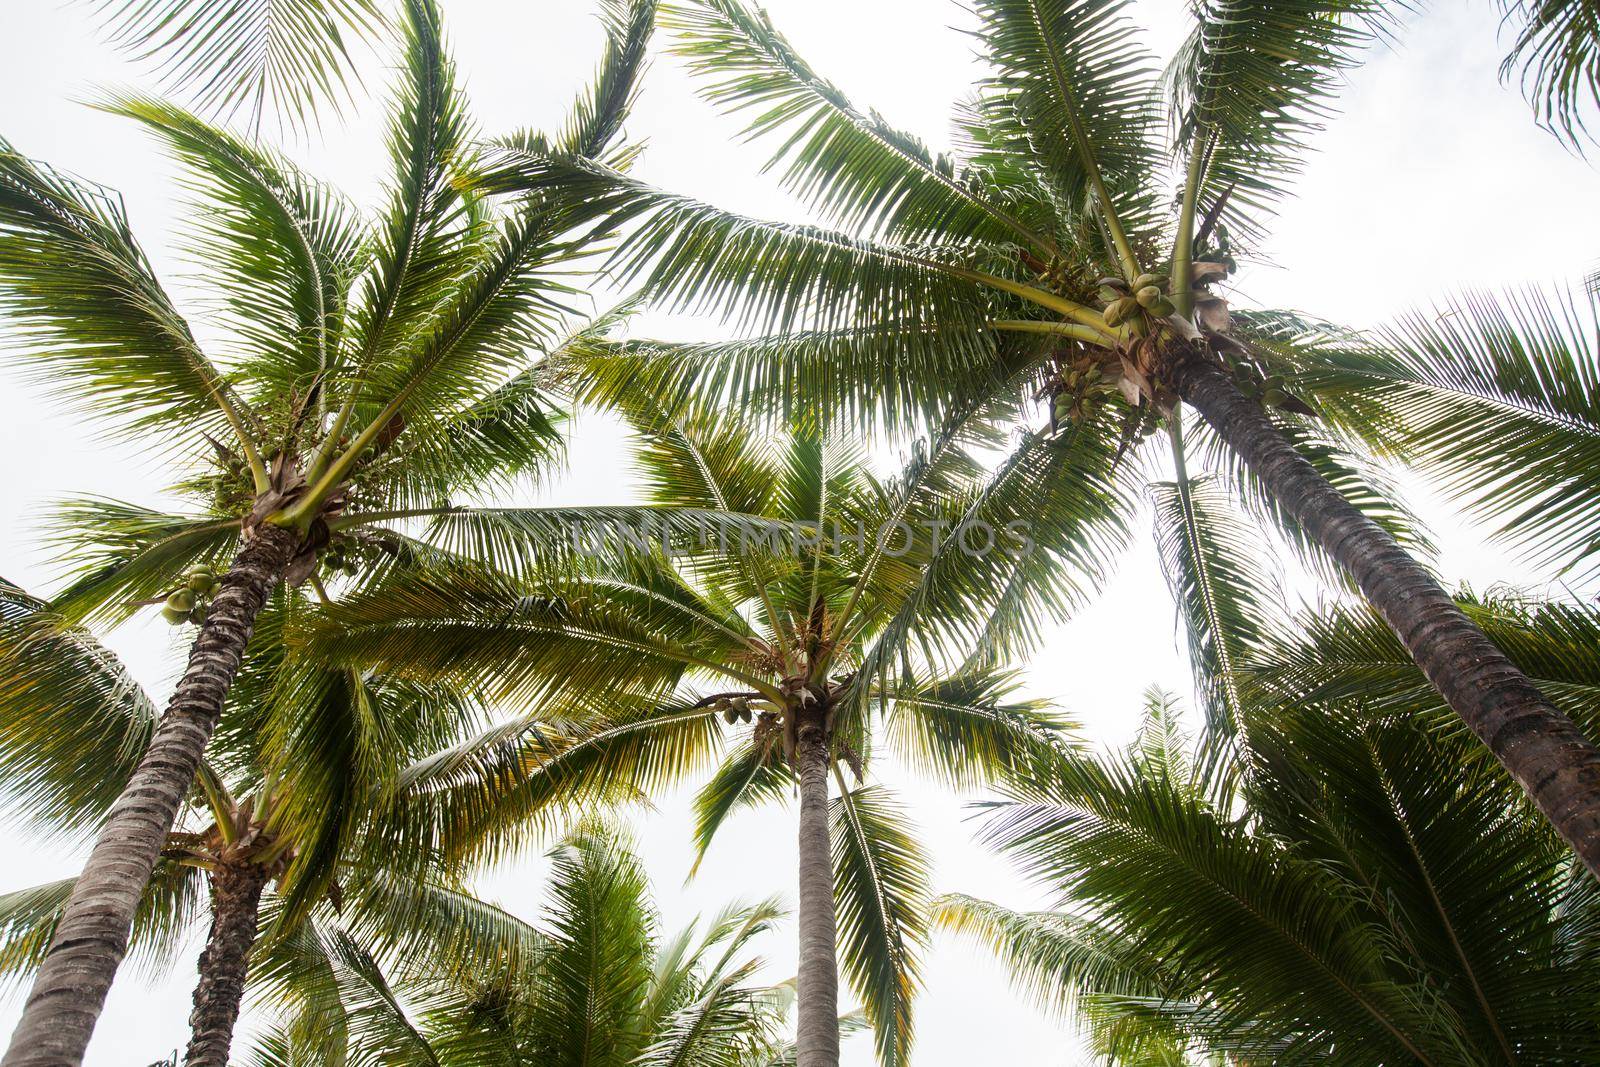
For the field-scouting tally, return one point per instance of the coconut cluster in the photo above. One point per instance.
(188, 603)
(1137, 304)
(734, 709)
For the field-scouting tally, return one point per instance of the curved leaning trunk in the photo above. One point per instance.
(1544, 751)
(235, 909)
(70, 989)
(817, 1041)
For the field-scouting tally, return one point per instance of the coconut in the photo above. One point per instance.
(1147, 296)
(182, 600)
(1144, 281)
(1161, 307)
(1119, 311)
(174, 616)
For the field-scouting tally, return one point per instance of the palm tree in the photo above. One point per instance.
(1363, 898)
(373, 370)
(882, 617)
(288, 796)
(602, 987)
(1049, 226)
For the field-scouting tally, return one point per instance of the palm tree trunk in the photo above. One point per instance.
(92, 936)
(235, 908)
(1553, 762)
(817, 1042)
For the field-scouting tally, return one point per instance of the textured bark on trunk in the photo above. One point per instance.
(817, 1042)
(235, 908)
(1553, 762)
(92, 936)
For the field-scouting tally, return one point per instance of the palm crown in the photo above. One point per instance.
(873, 613)
(1369, 882)
(1051, 236)
(600, 983)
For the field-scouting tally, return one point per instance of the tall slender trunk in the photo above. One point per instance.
(1553, 762)
(817, 1043)
(235, 908)
(90, 940)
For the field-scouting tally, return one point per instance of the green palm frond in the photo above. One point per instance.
(893, 376)
(549, 543)
(881, 889)
(122, 556)
(972, 729)
(487, 631)
(692, 256)
(487, 444)
(381, 1031)
(90, 316)
(984, 607)
(1279, 921)
(597, 116)
(75, 721)
(281, 249)
(1558, 50)
(481, 797)
(1080, 87)
(1463, 882)
(285, 55)
(1497, 396)
(1371, 884)
(1250, 88)
(862, 171)
(420, 252)
(602, 931)
(753, 773)
(167, 911)
(456, 934)
(1224, 585)
(1061, 961)
(1349, 654)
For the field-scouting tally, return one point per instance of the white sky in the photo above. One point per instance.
(1434, 178)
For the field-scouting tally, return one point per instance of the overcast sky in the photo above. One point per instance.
(1434, 178)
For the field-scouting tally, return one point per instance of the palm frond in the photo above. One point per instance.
(691, 256)
(482, 797)
(971, 729)
(1497, 396)
(280, 248)
(171, 903)
(881, 891)
(284, 55)
(1057, 959)
(90, 316)
(1079, 84)
(122, 556)
(1226, 593)
(888, 375)
(597, 116)
(1252, 85)
(421, 250)
(751, 774)
(1558, 51)
(862, 171)
(74, 722)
